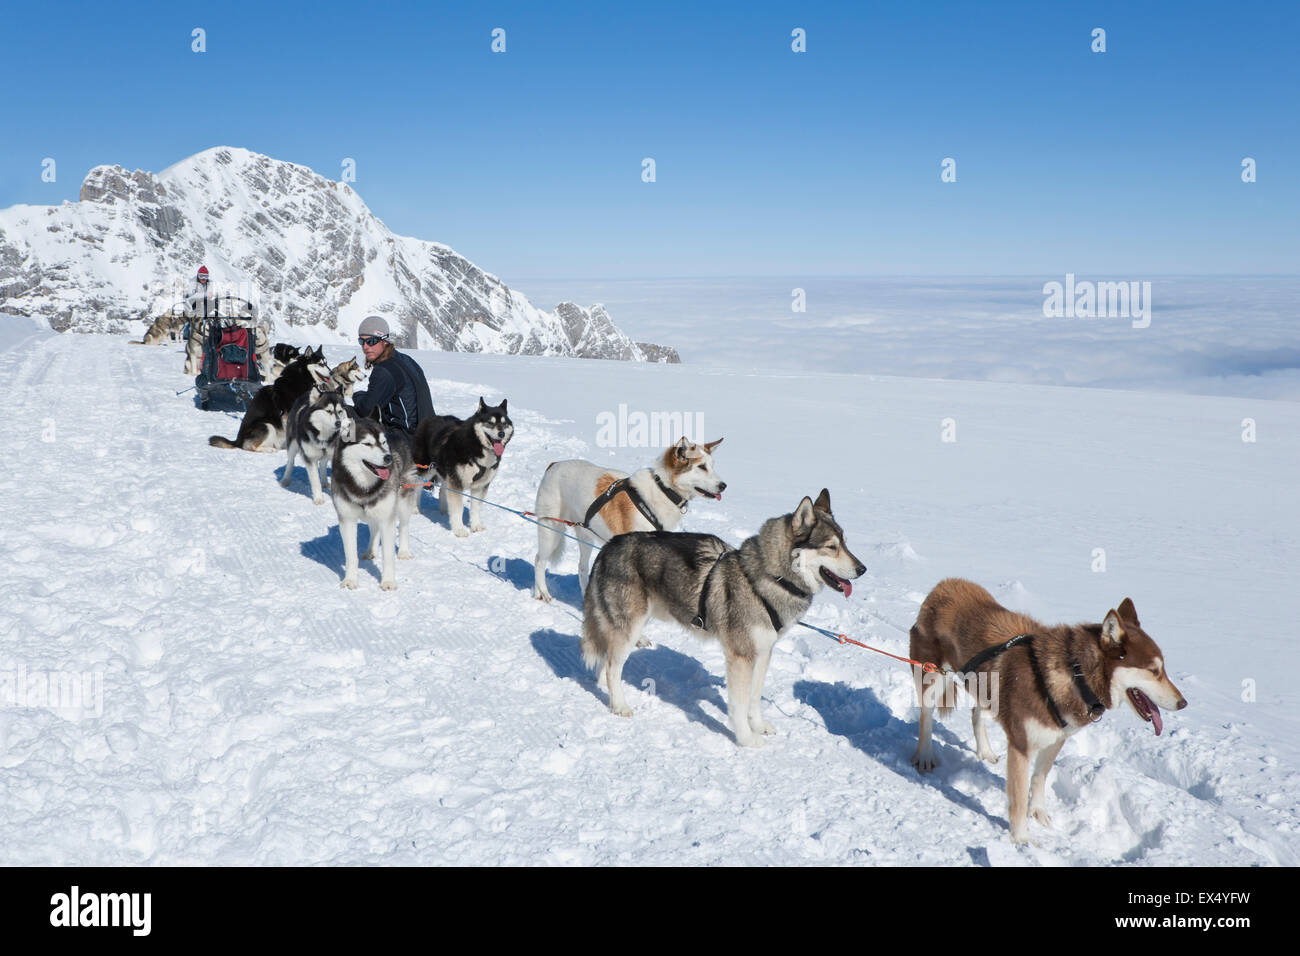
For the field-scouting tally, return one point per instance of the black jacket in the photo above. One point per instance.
(398, 388)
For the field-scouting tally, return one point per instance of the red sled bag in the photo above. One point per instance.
(234, 354)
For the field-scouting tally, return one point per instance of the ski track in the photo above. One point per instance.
(255, 713)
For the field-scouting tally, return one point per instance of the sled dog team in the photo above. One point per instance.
(1048, 682)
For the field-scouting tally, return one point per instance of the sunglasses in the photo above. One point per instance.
(372, 340)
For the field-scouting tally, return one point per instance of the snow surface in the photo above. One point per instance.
(253, 712)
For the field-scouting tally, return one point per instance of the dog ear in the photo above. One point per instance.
(1112, 632)
(482, 405)
(803, 517)
(502, 406)
(1128, 612)
(709, 446)
(823, 502)
(680, 448)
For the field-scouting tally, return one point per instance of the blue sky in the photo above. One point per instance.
(1125, 163)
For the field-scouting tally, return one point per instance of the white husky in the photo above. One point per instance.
(651, 499)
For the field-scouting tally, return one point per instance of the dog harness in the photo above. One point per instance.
(483, 469)
(624, 486)
(1095, 707)
(698, 620)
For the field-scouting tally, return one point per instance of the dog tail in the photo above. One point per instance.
(595, 642)
(550, 534)
(216, 441)
(594, 646)
(939, 689)
(550, 546)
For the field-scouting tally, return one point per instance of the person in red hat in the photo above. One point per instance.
(199, 302)
(199, 305)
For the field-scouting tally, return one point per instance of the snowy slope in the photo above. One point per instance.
(306, 249)
(253, 712)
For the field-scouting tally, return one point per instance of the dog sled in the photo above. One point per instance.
(231, 343)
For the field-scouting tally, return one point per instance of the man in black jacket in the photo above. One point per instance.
(397, 385)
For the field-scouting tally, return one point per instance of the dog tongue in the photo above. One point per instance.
(1155, 716)
(498, 448)
(382, 473)
(847, 585)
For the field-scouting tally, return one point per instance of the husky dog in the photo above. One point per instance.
(1043, 683)
(374, 482)
(312, 431)
(746, 597)
(281, 355)
(464, 454)
(167, 327)
(346, 375)
(651, 499)
(194, 345)
(263, 426)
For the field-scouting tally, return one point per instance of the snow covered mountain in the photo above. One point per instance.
(307, 249)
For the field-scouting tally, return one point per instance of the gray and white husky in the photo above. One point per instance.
(464, 454)
(654, 498)
(311, 430)
(745, 597)
(374, 482)
(346, 375)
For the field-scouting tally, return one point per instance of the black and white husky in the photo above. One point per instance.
(263, 426)
(745, 598)
(312, 431)
(374, 482)
(464, 455)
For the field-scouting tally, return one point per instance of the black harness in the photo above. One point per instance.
(483, 469)
(698, 620)
(624, 486)
(1095, 707)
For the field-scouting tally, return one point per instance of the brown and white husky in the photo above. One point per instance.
(1041, 683)
(652, 499)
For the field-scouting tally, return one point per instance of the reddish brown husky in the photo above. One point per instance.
(1041, 683)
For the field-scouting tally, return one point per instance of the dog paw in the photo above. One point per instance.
(477, 527)
(318, 500)
(406, 554)
(542, 596)
(763, 727)
(388, 585)
(924, 763)
(624, 711)
(460, 532)
(349, 583)
(369, 555)
(1041, 815)
(988, 756)
(1020, 837)
(749, 740)
(286, 481)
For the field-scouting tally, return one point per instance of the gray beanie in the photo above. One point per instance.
(373, 325)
